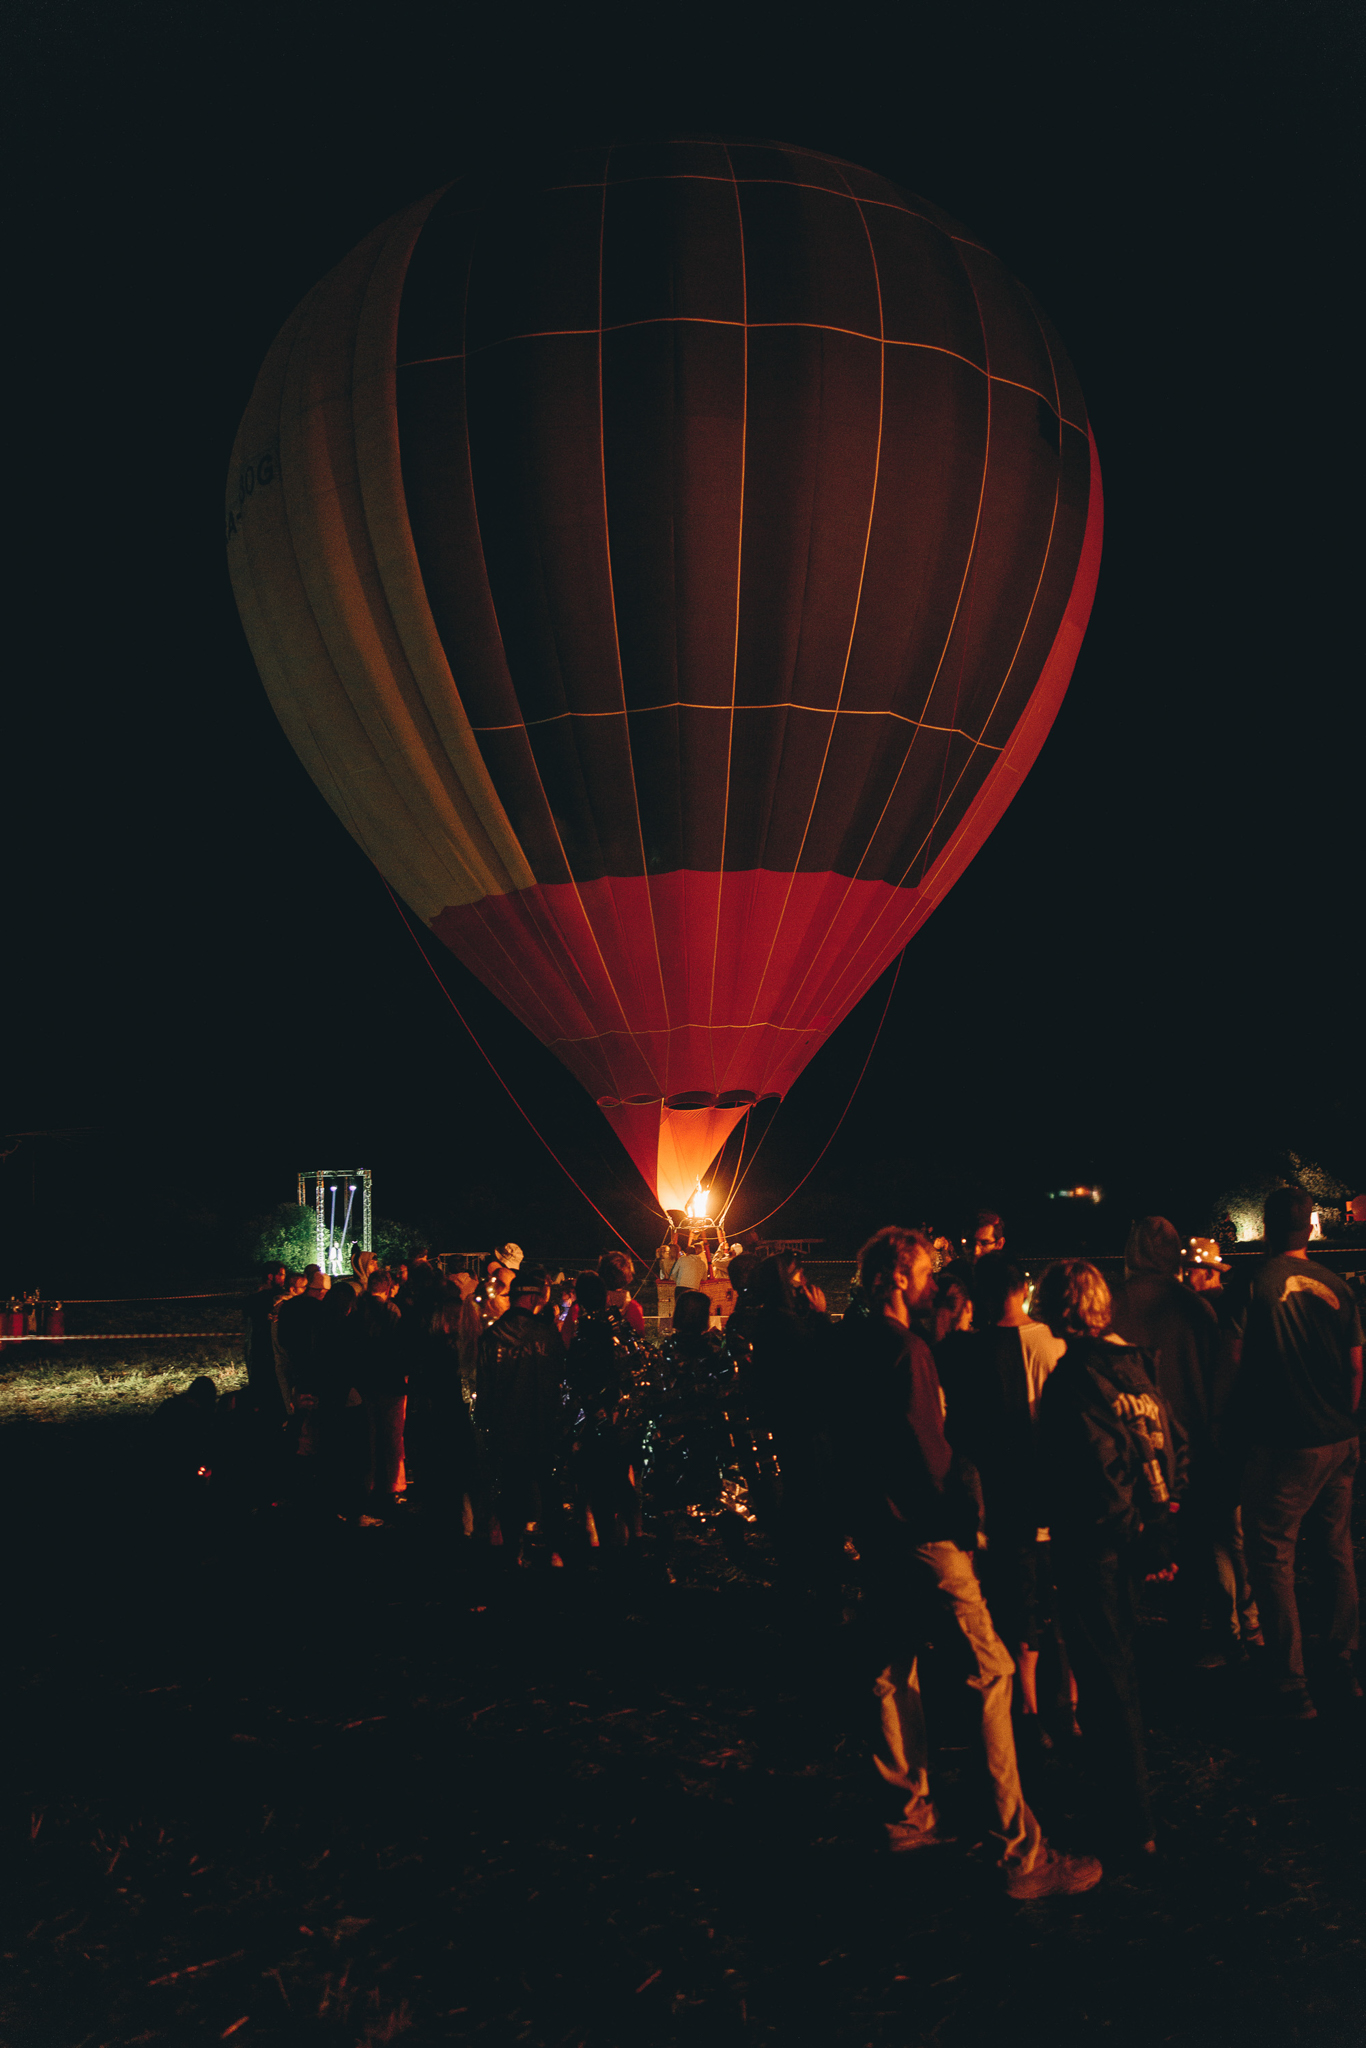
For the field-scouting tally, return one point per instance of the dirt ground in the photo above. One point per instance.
(291, 1784)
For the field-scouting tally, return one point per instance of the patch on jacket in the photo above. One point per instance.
(1138, 1407)
(1305, 1283)
(1143, 1412)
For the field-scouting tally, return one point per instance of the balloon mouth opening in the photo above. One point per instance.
(692, 1098)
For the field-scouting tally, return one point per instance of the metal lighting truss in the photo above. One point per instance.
(329, 1242)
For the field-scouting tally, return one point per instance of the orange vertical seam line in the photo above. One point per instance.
(853, 623)
(498, 1077)
(942, 801)
(1010, 669)
(948, 642)
(1043, 571)
(517, 972)
(735, 653)
(1057, 500)
(1048, 549)
(969, 583)
(554, 824)
(612, 596)
(968, 559)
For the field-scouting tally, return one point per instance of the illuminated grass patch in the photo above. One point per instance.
(93, 1384)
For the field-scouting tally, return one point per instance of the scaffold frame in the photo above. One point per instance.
(330, 1245)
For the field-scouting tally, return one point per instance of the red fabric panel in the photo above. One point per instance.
(767, 490)
(653, 987)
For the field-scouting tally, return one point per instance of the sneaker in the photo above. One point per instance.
(903, 1838)
(1053, 1875)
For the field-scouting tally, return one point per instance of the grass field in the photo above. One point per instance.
(78, 1382)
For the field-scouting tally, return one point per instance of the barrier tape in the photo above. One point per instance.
(125, 1337)
(109, 1300)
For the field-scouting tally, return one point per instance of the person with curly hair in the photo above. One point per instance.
(915, 1524)
(1113, 1466)
(993, 1376)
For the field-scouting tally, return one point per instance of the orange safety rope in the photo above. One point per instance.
(498, 1077)
(843, 1113)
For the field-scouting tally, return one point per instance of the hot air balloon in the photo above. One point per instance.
(668, 559)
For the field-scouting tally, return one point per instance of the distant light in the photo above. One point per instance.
(1076, 1194)
(1246, 1221)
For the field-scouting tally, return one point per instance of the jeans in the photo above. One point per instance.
(1214, 1585)
(945, 1574)
(1237, 1607)
(388, 1413)
(1283, 1489)
(1096, 1609)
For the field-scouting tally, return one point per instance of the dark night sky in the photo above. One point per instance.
(1152, 974)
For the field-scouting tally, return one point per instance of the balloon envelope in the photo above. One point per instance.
(668, 560)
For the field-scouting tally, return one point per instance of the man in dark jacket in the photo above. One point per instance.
(520, 1409)
(1179, 1330)
(785, 1386)
(1151, 1309)
(915, 1524)
(1112, 1464)
(1295, 1406)
(257, 1309)
(378, 1368)
(301, 1323)
(992, 1377)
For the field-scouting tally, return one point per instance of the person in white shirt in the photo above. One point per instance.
(992, 1380)
(690, 1268)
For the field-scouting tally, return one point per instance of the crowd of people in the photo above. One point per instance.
(1002, 1463)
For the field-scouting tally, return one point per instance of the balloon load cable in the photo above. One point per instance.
(843, 1114)
(498, 1077)
(735, 1177)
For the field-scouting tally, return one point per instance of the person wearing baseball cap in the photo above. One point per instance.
(500, 1267)
(1204, 1268)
